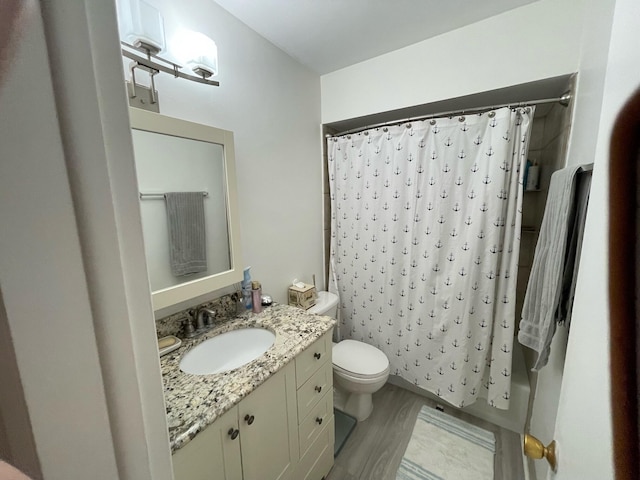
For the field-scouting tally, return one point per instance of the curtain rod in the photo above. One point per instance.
(562, 100)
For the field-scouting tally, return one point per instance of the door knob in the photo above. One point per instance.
(534, 448)
(249, 419)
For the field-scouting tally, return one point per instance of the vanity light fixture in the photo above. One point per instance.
(142, 40)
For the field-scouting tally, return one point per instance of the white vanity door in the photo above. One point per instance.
(270, 442)
(214, 453)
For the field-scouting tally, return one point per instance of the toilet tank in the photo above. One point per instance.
(326, 304)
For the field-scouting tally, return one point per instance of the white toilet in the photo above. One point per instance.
(359, 369)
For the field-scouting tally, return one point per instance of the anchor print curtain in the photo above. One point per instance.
(425, 237)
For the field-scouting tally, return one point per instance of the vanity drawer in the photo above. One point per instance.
(312, 358)
(317, 462)
(314, 390)
(312, 425)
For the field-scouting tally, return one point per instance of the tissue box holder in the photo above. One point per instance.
(304, 297)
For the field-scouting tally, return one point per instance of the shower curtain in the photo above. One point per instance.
(425, 237)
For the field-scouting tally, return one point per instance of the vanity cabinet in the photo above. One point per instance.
(283, 430)
(255, 440)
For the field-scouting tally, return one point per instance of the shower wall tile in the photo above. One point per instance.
(527, 248)
(554, 123)
(523, 278)
(327, 211)
(568, 111)
(521, 289)
(529, 209)
(325, 164)
(327, 234)
(553, 158)
(537, 134)
(531, 215)
(325, 175)
(534, 155)
(327, 251)
(326, 201)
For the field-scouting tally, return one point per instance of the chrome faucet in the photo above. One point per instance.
(203, 320)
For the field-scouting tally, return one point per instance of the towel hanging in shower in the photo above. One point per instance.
(549, 296)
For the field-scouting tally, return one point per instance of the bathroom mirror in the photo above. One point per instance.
(191, 248)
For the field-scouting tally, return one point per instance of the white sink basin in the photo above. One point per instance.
(227, 351)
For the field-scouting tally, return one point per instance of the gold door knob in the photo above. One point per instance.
(534, 448)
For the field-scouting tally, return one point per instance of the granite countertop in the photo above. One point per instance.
(195, 401)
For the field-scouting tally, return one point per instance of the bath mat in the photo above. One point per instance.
(344, 426)
(446, 448)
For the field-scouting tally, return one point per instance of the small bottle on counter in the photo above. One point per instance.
(256, 296)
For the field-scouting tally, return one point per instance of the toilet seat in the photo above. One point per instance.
(359, 360)
(360, 377)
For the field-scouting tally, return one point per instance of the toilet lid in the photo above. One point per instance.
(359, 358)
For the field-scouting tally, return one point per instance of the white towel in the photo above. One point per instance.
(541, 300)
(187, 240)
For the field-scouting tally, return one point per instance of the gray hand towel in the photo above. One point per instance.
(187, 239)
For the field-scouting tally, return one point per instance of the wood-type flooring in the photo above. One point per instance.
(376, 446)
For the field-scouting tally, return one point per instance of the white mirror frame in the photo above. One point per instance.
(154, 122)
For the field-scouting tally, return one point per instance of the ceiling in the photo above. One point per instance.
(326, 35)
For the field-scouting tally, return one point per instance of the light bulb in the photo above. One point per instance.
(141, 25)
(196, 51)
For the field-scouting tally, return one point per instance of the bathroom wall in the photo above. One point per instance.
(498, 52)
(272, 104)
